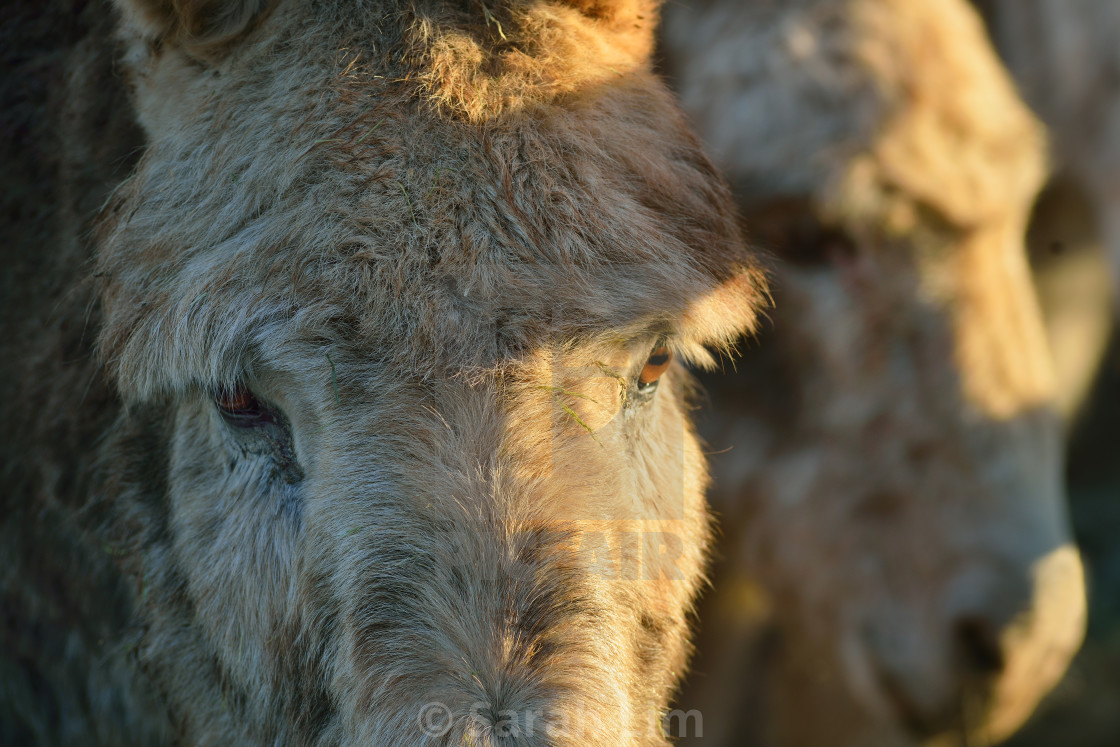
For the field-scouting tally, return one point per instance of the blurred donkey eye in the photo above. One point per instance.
(656, 365)
(239, 407)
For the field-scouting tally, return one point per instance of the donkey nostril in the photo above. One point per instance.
(978, 646)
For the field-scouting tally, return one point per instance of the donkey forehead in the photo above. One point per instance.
(312, 197)
(536, 237)
(210, 323)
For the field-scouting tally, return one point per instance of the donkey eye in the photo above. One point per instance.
(791, 228)
(656, 365)
(239, 407)
(825, 248)
(260, 429)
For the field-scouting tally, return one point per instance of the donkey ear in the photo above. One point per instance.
(194, 22)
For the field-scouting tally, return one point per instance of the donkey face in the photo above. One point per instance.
(903, 513)
(398, 294)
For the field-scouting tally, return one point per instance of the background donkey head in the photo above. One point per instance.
(891, 496)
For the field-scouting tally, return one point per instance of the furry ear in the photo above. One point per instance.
(195, 22)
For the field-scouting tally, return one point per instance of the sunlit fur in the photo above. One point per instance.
(439, 240)
(894, 524)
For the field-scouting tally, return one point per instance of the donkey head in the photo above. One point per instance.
(894, 482)
(398, 296)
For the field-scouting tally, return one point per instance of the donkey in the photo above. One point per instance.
(897, 565)
(386, 437)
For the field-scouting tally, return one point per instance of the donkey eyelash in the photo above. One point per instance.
(255, 422)
(657, 363)
(239, 406)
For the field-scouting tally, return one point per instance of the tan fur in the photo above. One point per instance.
(895, 527)
(444, 294)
